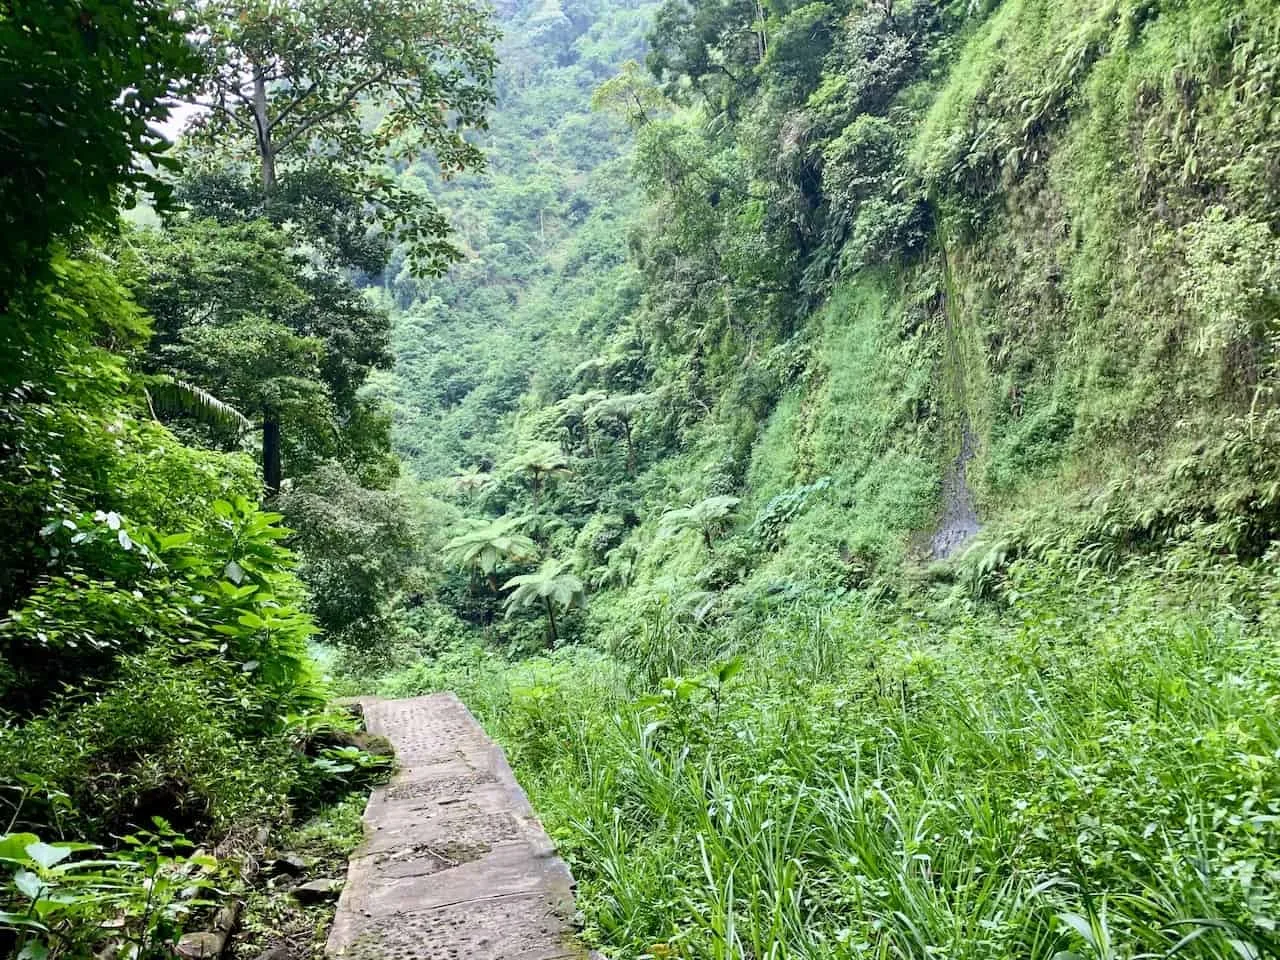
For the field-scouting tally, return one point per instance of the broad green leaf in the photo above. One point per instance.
(47, 855)
(13, 846)
(29, 884)
(234, 572)
(20, 921)
(729, 669)
(175, 540)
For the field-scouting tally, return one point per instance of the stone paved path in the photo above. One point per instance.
(455, 865)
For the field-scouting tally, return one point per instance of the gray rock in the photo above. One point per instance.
(277, 951)
(200, 946)
(317, 891)
(288, 863)
(209, 944)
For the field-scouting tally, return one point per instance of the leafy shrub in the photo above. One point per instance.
(356, 549)
(58, 902)
(771, 521)
(168, 737)
(193, 648)
(730, 563)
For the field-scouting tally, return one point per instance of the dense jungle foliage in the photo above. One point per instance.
(172, 394)
(833, 446)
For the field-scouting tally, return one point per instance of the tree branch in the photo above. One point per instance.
(224, 109)
(292, 105)
(319, 118)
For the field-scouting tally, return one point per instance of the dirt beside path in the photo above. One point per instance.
(455, 865)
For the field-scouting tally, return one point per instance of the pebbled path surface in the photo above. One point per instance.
(455, 865)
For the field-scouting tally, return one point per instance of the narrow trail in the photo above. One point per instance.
(455, 865)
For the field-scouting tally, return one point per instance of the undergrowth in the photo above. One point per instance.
(1084, 765)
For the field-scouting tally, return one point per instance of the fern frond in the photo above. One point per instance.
(169, 396)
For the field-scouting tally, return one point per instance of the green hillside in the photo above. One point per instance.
(905, 466)
(545, 275)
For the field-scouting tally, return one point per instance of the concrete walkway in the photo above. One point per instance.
(455, 865)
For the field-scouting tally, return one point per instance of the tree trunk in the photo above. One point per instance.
(490, 611)
(266, 153)
(271, 473)
(631, 449)
(551, 616)
(762, 43)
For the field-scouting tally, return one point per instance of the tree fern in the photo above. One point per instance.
(552, 585)
(484, 544)
(706, 516)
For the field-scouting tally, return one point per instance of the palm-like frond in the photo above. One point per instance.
(177, 398)
(702, 514)
(550, 583)
(541, 459)
(623, 407)
(487, 543)
(471, 481)
(576, 405)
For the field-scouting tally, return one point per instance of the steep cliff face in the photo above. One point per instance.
(1088, 323)
(888, 274)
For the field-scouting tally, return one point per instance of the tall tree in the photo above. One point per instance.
(472, 482)
(713, 46)
(349, 86)
(573, 417)
(332, 92)
(242, 311)
(82, 93)
(71, 147)
(357, 547)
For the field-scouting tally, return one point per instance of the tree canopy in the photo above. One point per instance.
(347, 86)
(84, 88)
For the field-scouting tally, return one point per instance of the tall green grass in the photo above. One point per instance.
(1087, 767)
